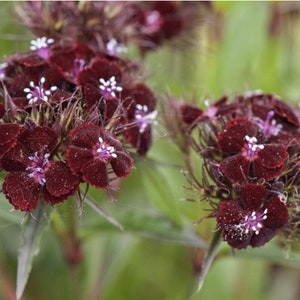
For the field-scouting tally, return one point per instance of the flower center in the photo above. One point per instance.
(115, 48)
(251, 149)
(143, 118)
(211, 110)
(37, 92)
(38, 167)
(153, 21)
(269, 126)
(40, 45)
(109, 87)
(253, 221)
(104, 151)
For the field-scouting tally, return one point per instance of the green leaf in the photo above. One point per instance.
(149, 225)
(209, 258)
(31, 235)
(159, 191)
(102, 213)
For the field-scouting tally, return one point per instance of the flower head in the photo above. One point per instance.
(33, 174)
(101, 84)
(95, 154)
(253, 218)
(139, 104)
(246, 156)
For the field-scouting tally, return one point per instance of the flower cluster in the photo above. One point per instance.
(111, 25)
(250, 173)
(71, 112)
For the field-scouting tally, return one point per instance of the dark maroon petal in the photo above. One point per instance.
(101, 68)
(65, 57)
(140, 141)
(8, 137)
(85, 135)
(38, 139)
(52, 200)
(139, 94)
(28, 59)
(272, 156)
(288, 136)
(92, 95)
(229, 213)
(261, 172)
(9, 133)
(265, 235)
(277, 213)
(16, 159)
(229, 217)
(121, 164)
(59, 179)
(253, 196)
(235, 168)
(95, 173)
(21, 191)
(286, 111)
(53, 76)
(232, 139)
(190, 114)
(77, 157)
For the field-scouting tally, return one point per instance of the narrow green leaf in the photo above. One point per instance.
(148, 225)
(209, 258)
(160, 193)
(102, 213)
(31, 235)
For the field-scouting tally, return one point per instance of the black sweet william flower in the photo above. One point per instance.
(33, 175)
(253, 218)
(139, 109)
(246, 154)
(97, 156)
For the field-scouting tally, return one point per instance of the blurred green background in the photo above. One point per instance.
(239, 46)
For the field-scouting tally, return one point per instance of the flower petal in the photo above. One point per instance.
(235, 168)
(253, 196)
(77, 157)
(229, 217)
(95, 173)
(59, 179)
(122, 164)
(232, 139)
(277, 213)
(21, 191)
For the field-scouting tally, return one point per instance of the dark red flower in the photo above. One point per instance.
(139, 103)
(35, 85)
(252, 219)
(33, 175)
(91, 149)
(246, 154)
(159, 20)
(72, 60)
(101, 84)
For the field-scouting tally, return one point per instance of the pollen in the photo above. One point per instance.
(105, 151)
(109, 87)
(38, 92)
